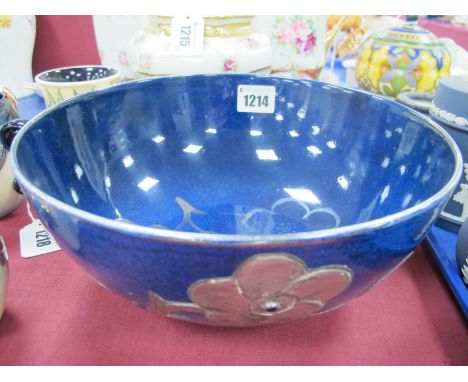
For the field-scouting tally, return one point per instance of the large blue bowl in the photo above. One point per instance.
(168, 195)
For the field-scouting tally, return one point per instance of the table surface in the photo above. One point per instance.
(56, 315)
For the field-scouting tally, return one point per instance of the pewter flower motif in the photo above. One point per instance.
(265, 289)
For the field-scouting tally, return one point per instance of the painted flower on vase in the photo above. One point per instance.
(145, 62)
(297, 32)
(430, 70)
(267, 288)
(402, 74)
(251, 43)
(363, 62)
(378, 58)
(230, 65)
(123, 60)
(5, 22)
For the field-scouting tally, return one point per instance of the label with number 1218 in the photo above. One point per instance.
(256, 99)
(35, 240)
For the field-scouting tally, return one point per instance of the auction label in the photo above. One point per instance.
(35, 240)
(187, 35)
(256, 99)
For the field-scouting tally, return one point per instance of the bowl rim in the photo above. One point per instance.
(236, 239)
(111, 77)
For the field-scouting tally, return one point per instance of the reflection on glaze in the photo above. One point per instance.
(255, 133)
(343, 182)
(267, 154)
(78, 171)
(147, 183)
(407, 200)
(331, 144)
(385, 162)
(192, 149)
(298, 195)
(128, 161)
(314, 150)
(384, 194)
(301, 113)
(107, 182)
(74, 196)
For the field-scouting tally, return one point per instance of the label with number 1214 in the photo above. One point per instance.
(256, 99)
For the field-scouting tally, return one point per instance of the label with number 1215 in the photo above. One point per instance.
(256, 99)
(187, 35)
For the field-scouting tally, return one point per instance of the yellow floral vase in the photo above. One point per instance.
(402, 59)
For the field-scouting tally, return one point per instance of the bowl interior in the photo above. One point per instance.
(175, 153)
(77, 74)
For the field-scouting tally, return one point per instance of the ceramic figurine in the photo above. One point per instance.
(3, 275)
(59, 84)
(9, 198)
(229, 46)
(17, 36)
(402, 59)
(236, 199)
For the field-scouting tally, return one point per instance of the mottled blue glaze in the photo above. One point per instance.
(383, 169)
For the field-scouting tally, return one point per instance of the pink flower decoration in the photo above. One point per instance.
(298, 43)
(265, 289)
(310, 43)
(229, 65)
(283, 34)
(145, 62)
(298, 26)
(123, 60)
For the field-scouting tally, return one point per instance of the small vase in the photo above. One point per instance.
(402, 59)
(299, 44)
